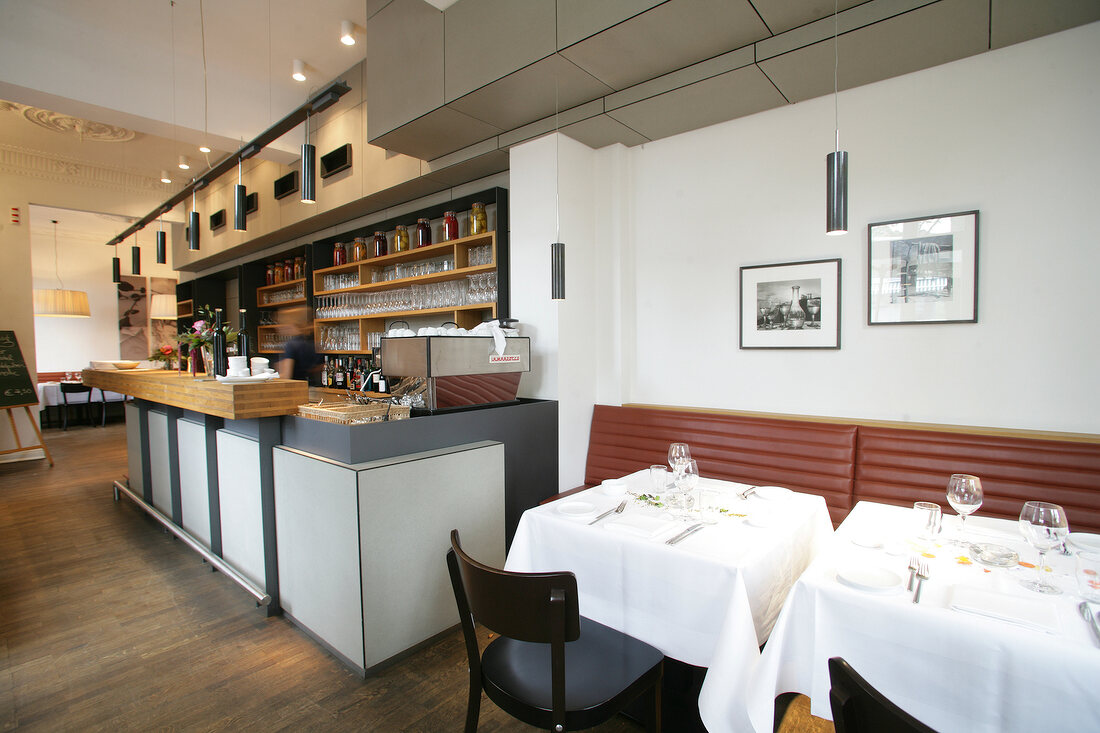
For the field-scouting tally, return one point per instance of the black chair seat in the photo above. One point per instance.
(600, 666)
(860, 708)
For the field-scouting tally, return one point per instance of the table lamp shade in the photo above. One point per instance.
(62, 303)
(163, 307)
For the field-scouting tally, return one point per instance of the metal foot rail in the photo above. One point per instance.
(262, 598)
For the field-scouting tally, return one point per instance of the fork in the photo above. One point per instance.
(617, 510)
(912, 571)
(747, 492)
(922, 575)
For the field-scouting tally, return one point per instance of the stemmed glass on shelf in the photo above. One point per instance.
(964, 494)
(1044, 526)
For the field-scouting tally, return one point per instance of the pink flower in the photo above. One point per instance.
(198, 326)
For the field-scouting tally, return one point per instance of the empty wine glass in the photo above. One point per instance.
(678, 455)
(1044, 526)
(964, 494)
(687, 478)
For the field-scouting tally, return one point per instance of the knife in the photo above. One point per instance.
(1086, 612)
(685, 534)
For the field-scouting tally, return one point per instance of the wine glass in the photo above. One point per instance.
(964, 494)
(687, 478)
(1044, 526)
(678, 455)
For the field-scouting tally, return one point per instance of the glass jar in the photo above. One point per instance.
(478, 223)
(359, 250)
(269, 277)
(423, 232)
(278, 273)
(339, 255)
(450, 226)
(299, 268)
(379, 246)
(401, 239)
(288, 271)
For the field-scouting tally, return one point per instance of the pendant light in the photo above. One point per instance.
(309, 157)
(116, 266)
(193, 226)
(240, 222)
(59, 301)
(557, 248)
(185, 163)
(299, 70)
(836, 162)
(162, 245)
(135, 257)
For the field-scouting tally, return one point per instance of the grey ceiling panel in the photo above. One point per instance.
(1020, 20)
(727, 96)
(672, 35)
(548, 123)
(932, 35)
(689, 75)
(529, 94)
(402, 85)
(869, 13)
(437, 133)
(579, 19)
(782, 15)
(488, 39)
(472, 169)
(601, 131)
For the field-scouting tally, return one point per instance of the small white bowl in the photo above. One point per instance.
(613, 487)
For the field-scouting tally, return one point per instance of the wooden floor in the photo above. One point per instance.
(108, 623)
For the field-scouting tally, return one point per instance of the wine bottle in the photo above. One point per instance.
(218, 347)
(243, 346)
(340, 374)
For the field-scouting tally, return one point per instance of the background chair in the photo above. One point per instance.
(550, 667)
(70, 396)
(858, 707)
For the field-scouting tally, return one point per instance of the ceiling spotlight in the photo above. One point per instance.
(299, 70)
(164, 178)
(347, 33)
(184, 163)
(204, 149)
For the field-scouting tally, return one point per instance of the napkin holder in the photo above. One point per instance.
(460, 371)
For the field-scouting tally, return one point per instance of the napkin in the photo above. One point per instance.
(1036, 614)
(639, 525)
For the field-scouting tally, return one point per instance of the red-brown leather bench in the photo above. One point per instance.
(848, 462)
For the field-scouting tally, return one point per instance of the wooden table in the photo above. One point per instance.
(208, 396)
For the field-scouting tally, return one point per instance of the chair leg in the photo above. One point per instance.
(473, 708)
(653, 722)
(65, 418)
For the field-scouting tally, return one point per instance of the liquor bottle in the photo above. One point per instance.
(324, 372)
(341, 376)
(244, 348)
(218, 347)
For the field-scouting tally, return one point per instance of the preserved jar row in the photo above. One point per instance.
(365, 248)
(285, 271)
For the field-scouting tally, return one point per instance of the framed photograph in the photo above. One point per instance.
(923, 270)
(795, 305)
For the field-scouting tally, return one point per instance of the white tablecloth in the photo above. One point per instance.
(49, 395)
(953, 671)
(710, 600)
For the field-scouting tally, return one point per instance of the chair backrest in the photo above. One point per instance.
(68, 388)
(858, 707)
(516, 605)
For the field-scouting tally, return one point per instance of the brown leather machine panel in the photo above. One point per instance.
(897, 466)
(812, 457)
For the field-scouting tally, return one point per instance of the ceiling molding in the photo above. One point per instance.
(86, 130)
(47, 166)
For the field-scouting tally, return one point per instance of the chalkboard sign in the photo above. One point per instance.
(16, 388)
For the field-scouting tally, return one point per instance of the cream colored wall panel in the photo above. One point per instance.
(404, 64)
(579, 19)
(347, 185)
(259, 178)
(1020, 20)
(489, 39)
(929, 36)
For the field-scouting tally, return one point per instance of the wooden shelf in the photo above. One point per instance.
(185, 308)
(411, 255)
(283, 304)
(281, 286)
(403, 314)
(435, 277)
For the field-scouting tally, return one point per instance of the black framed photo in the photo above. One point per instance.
(923, 270)
(794, 305)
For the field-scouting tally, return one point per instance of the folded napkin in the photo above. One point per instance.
(1037, 614)
(639, 525)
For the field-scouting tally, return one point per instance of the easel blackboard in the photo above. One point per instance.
(17, 390)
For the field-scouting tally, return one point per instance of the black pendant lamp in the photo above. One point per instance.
(135, 258)
(116, 267)
(309, 163)
(193, 226)
(162, 245)
(240, 223)
(557, 249)
(836, 162)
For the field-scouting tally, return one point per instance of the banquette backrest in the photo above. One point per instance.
(813, 457)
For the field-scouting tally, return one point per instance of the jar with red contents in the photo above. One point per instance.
(450, 226)
(269, 277)
(278, 272)
(378, 246)
(299, 268)
(339, 255)
(423, 232)
(288, 271)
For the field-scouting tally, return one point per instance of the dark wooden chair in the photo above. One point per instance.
(549, 667)
(860, 708)
(84, 404)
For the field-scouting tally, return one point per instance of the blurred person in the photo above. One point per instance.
(299, 359)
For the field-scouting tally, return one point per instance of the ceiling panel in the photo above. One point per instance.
(671, 36)
(437, 133)
(931, 35)
(601, 131)
(708, 102)
(472, 169)
(1021, 20)
(403, 86)
(531, 94)
(579, 19)
(782, 15)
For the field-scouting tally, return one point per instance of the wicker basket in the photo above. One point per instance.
(352, 414)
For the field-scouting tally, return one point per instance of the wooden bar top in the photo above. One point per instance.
(231, 401)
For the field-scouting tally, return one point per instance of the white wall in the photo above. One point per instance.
(1011, 133)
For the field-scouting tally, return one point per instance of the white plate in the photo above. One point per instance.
(770, 492)
(872, 541)
(870, 579)
(576, 508)
(244, 380)
(613, 487)
(1084, 541)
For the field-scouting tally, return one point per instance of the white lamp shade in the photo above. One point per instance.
(162, 307)
(62, 303)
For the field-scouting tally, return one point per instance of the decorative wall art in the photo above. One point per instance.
(133, 318)
(923, 270)
(794, 305)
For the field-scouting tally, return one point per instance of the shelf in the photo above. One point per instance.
(283, 304)
(185, 308)
(281, 286)
(435, 277)
(410, 255)
(403, 314)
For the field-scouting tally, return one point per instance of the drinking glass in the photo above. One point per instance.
(678, 455)
(929, 518)
(964, 494)
(1044, 526)
(658, 479)
(1088, 575)
(709, 505)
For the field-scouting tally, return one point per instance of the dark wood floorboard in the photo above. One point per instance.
(108, 623)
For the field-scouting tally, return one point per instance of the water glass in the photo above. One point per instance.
(929, 519)
(659, 479)
(709, 505)
(1088, 575)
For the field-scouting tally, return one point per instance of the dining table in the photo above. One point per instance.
(49, 395)
(974, 651)
(709, 600)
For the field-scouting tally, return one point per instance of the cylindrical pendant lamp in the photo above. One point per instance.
(116, 270)
(557, 271)
(193, 226)
(240, 221)
(836, 199)
(309, 164)
(135, 259)
(162, 248)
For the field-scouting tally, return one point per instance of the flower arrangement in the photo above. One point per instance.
(165, 353)
(201, 332)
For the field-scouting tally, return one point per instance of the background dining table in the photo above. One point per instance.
(979, 652)
(709, 600)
